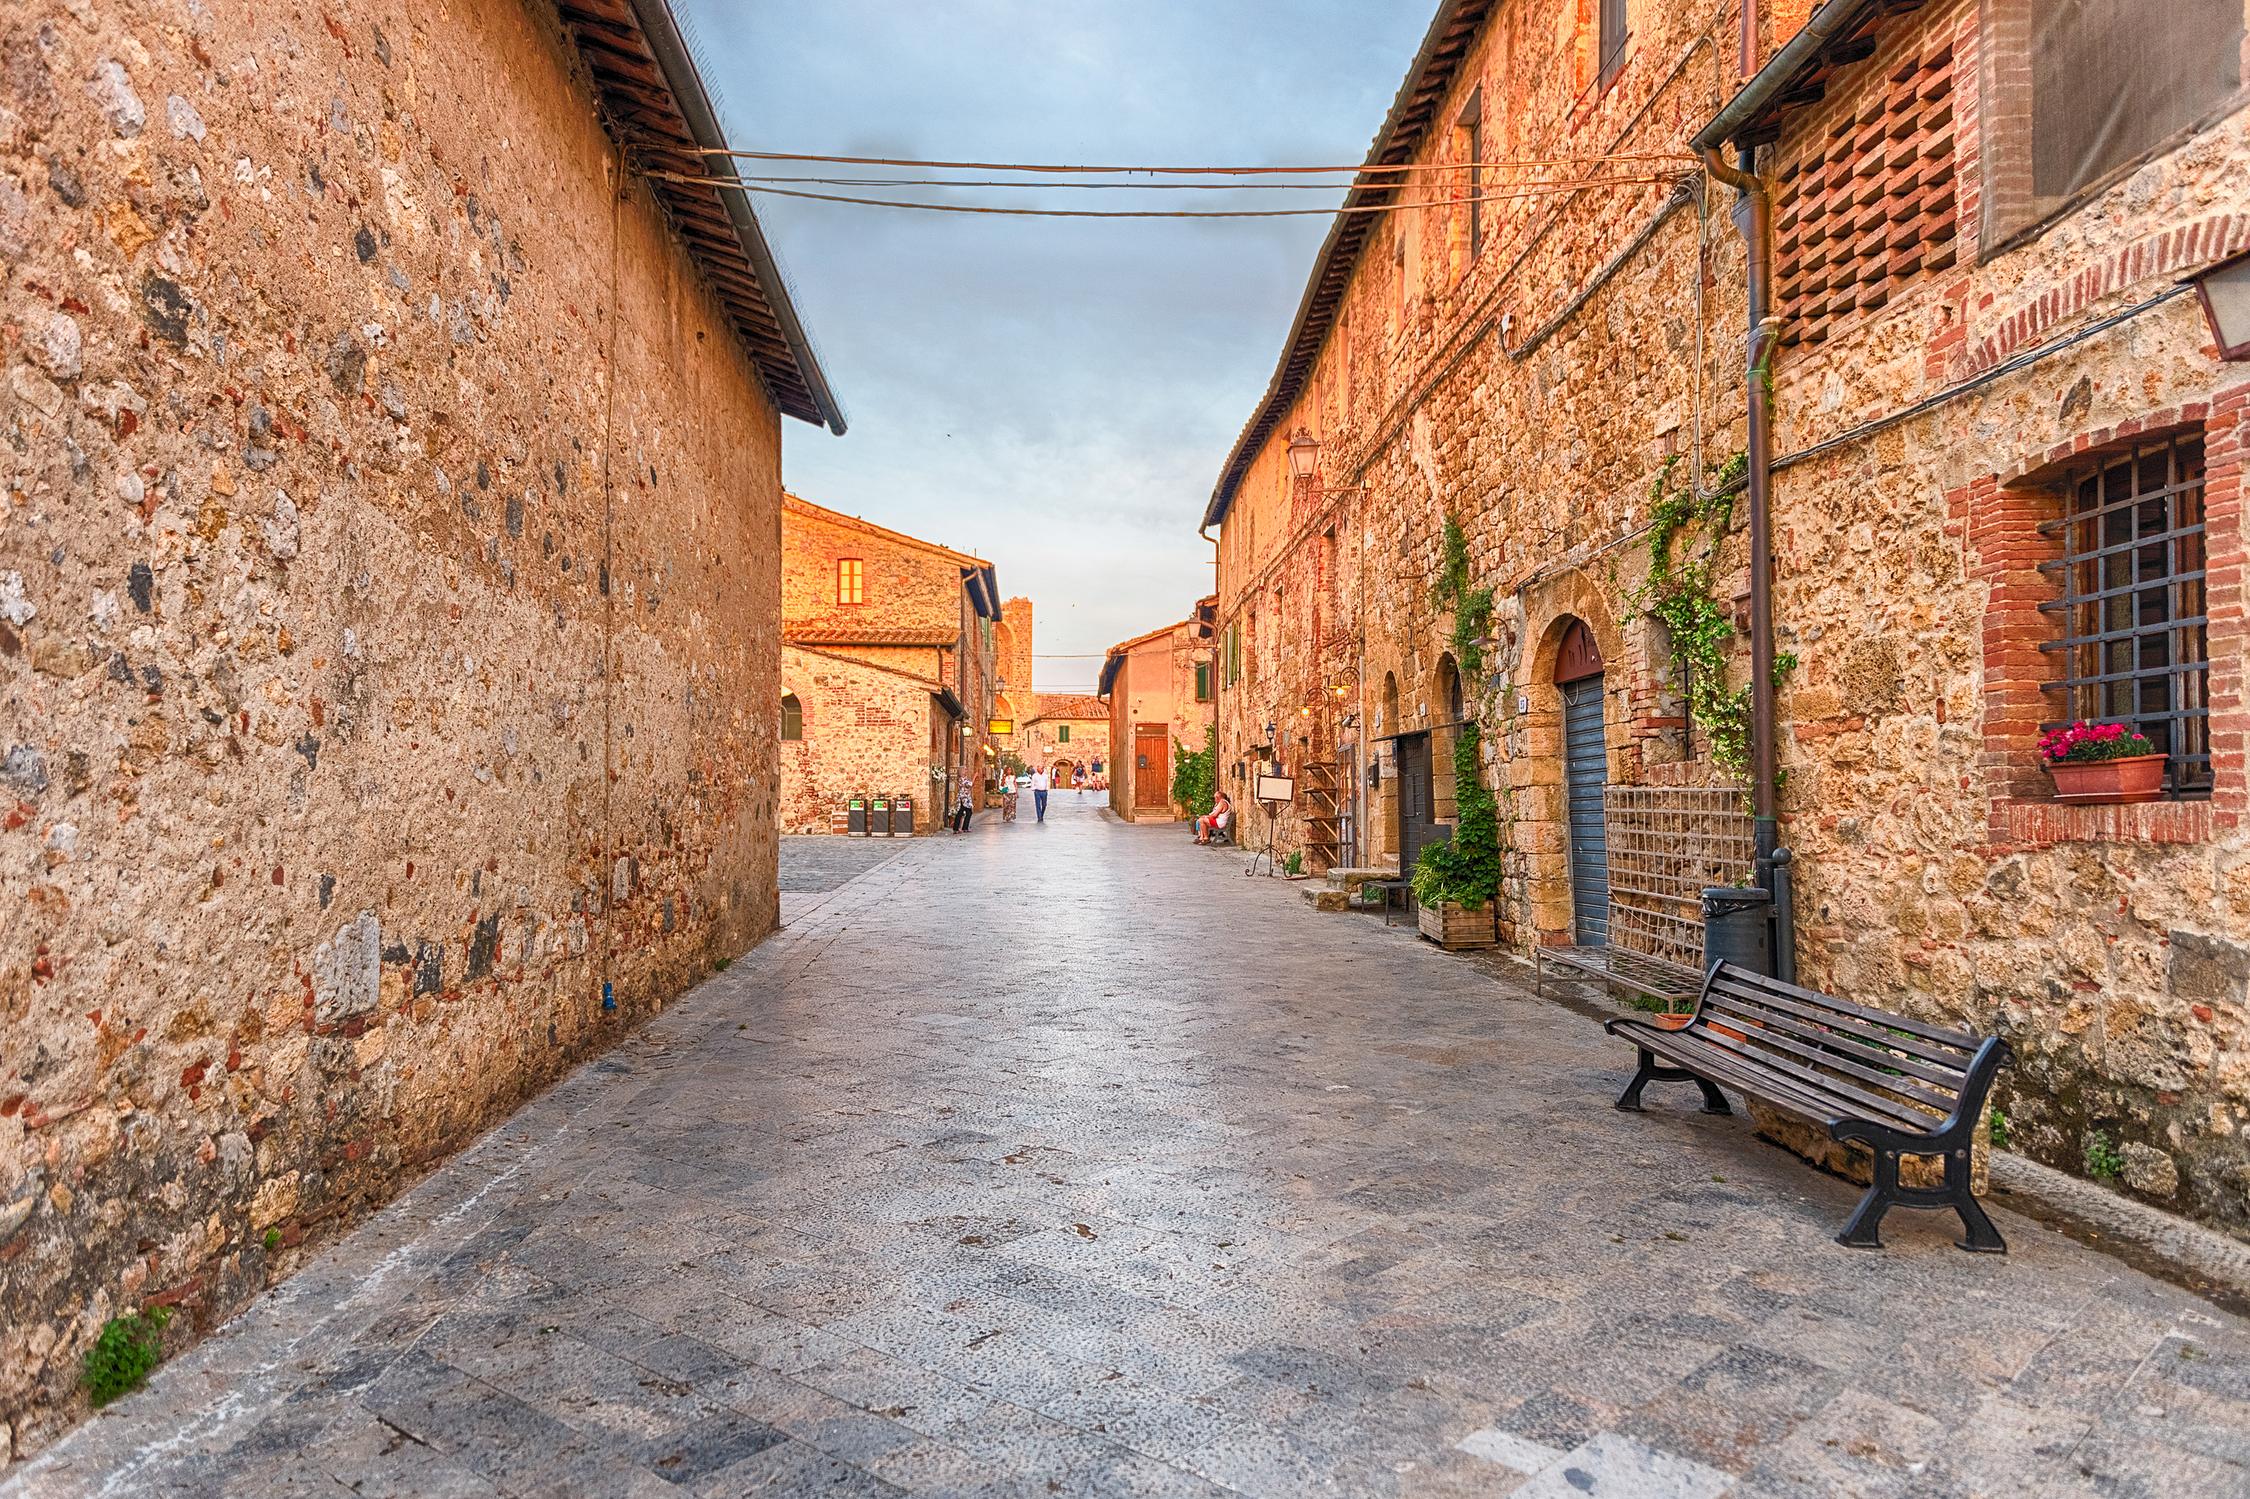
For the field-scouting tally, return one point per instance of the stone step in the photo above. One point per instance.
(1324, 897)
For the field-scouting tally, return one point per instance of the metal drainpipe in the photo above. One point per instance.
(1754, 217)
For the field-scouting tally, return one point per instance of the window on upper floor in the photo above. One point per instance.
(1868, 199)
(792, 717)
(1468, 183)
(1234, 653)
(1062, 733)
(2133, 645)
(850, 581)
(2077, 92)
(1612, 41)
(1203, 681)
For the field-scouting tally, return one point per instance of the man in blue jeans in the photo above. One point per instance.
(1039, 792)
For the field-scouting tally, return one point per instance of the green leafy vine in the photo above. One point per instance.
(1195, 773)
(1465, 869)
(1678, 594)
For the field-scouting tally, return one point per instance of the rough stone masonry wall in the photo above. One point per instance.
(1481, 388)
(2108, 944)
(2105, 943)
(867, 732)
(319, 633)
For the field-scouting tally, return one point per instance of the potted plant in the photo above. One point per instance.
(1448, 908)
(2102, 762)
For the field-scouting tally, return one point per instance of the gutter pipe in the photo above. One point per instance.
(1754, 218)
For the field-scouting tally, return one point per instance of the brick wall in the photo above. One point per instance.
(1155, 684)
(380, 674)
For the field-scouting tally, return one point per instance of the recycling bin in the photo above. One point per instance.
(856, 809)
(879, 817)
(902, 817)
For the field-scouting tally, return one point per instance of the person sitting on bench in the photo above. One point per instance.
(1216, 820)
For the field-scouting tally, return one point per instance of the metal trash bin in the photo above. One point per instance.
(856, 811)
(879, 817)
(902, 817)
(1738, 927)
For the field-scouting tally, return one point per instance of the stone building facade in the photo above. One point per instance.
(887, 668)
(1160, 688)
(1981, 331)
(388, 579)
(1067, 735)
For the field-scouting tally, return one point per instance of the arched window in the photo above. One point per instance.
(792, 717)
(1390, 702)
(1449, 688)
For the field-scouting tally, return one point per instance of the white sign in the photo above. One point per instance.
(1274, 789)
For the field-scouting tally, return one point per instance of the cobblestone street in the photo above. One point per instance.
(1128, 1176)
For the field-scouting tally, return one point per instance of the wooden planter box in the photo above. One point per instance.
(2136, 778)
(1455, 927)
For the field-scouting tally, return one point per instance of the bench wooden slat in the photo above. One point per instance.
(1921, 1030)
(1806, 1043)
(1745, 1078)
(1871, 1105)
(1931, 1063)
(1940, 1054)
(1838, 1098)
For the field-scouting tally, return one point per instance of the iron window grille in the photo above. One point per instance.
(2134, 647)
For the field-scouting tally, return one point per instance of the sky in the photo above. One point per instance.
(1054, 395)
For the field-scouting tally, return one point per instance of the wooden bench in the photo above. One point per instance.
(1667, 982)
(1895, 1085)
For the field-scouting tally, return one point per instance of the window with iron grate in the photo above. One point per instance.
(1869, 195)
(2133, 647)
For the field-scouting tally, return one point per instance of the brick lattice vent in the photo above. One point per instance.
(1870, 201)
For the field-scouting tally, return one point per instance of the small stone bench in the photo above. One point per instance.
(1896, 1085)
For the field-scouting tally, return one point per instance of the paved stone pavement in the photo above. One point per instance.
(814, 867)
(1169, 1187)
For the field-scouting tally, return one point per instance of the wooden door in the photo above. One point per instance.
(1152, 767)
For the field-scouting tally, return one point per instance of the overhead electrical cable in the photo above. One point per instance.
(1376, 168)
(1543, 189)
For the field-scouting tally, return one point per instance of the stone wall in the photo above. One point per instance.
(868, 730)
(1536, 391)
(381, 676)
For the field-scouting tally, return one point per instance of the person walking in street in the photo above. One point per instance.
(1039, 792)
(1007, 798)
(965, 807)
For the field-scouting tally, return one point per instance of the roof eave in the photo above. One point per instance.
(1311, 319)
(661, 30)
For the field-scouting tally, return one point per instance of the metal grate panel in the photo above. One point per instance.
(1665, 844)
(2134, 647)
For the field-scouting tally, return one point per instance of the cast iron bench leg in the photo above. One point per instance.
(1982, 1237)
(1714, 1102)
(1864, 1229)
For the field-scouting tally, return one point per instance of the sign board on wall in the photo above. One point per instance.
(1003, 726)
(1274, 788)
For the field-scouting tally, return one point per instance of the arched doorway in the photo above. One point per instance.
(1061, 774)
(1578, 677)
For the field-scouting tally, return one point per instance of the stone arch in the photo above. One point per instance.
(792, 716)
(1572, 605)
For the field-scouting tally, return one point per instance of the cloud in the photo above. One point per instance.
(1056, 395)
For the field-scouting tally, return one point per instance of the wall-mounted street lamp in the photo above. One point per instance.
(1304, 454)
(2225, 290)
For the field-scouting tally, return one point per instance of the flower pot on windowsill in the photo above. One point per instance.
(2134, 778)
(1455, 927)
